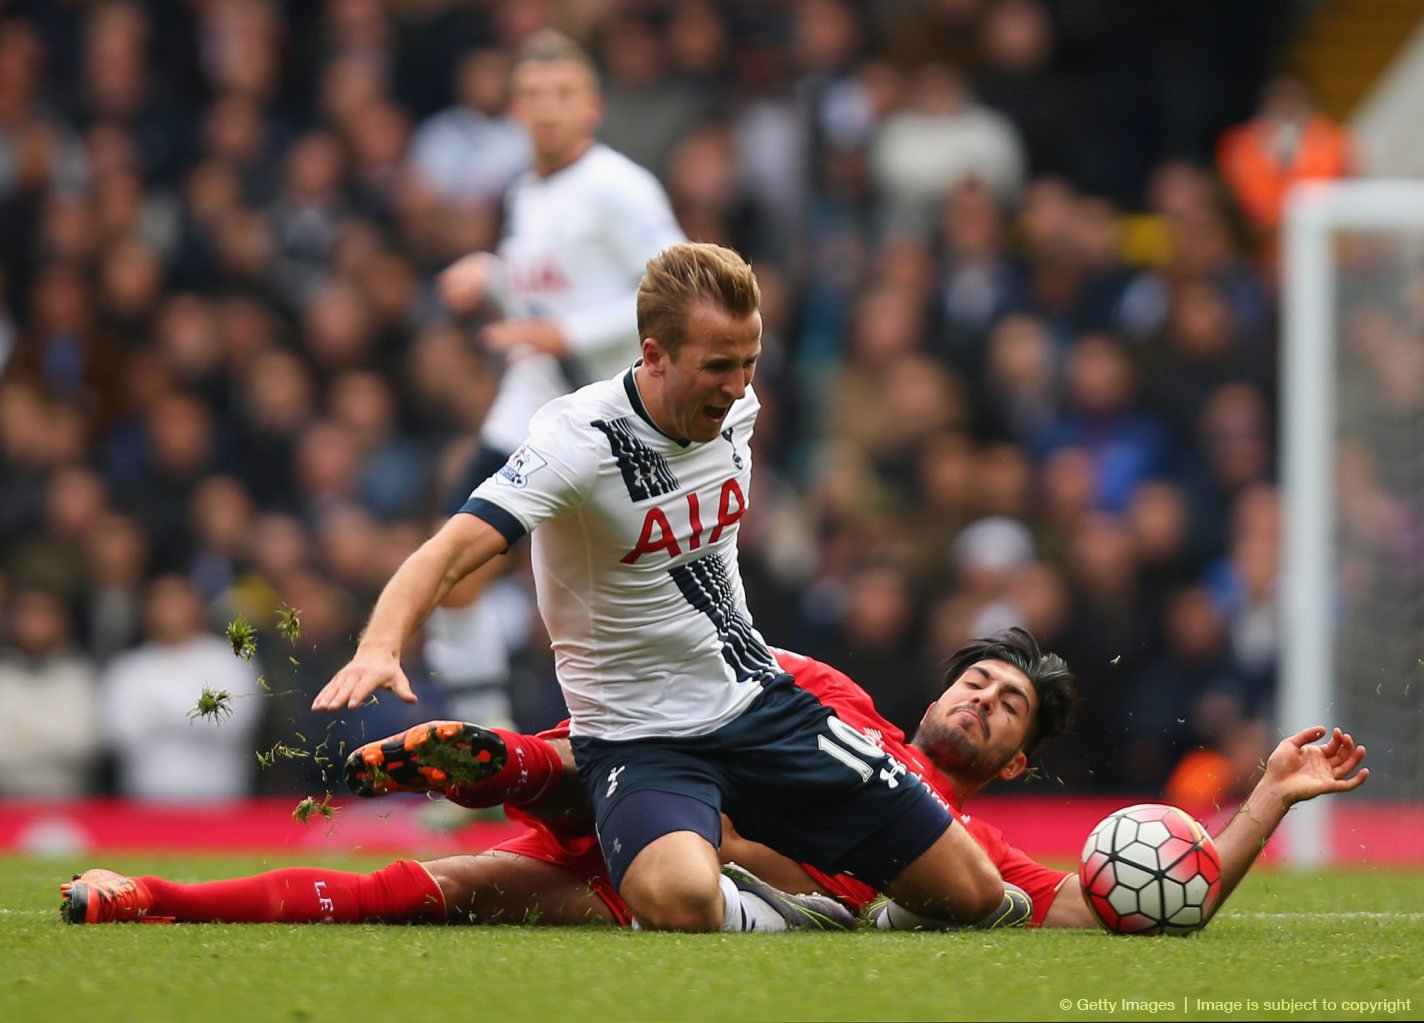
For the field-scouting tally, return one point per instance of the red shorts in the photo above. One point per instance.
(856, 894)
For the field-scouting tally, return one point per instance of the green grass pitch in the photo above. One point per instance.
(1343, 945)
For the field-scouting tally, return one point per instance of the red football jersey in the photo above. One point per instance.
(853, 706)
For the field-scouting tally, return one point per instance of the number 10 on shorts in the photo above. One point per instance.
(854, 749)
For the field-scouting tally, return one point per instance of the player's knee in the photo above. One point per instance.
(954, 882)
(976, 891)
(455, 890)
(984, 892)
(685, 902)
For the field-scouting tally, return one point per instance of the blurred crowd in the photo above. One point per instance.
(1020, 293)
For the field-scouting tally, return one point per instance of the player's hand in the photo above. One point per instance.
(464, 284)
(366, 673)
(540, 335)
(1304, 768)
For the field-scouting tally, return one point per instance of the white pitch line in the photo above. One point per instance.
(1355, 915)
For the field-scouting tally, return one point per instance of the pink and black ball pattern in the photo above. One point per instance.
(1150, 869)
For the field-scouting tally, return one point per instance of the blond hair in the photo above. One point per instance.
(681, 276)
(549, 46)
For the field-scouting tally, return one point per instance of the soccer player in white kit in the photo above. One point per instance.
(633, 489)
(579, 227)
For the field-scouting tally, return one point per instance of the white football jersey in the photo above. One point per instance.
(635, 561)
(575, 247)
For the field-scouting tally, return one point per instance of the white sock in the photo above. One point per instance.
(743, 911)
(894, 917)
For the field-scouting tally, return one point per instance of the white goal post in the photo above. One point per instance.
(1318, 215)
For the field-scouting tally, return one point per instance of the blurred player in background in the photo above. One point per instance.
(579, 228)
(1003, 697)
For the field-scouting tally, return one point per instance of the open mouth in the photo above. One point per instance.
(716, 413)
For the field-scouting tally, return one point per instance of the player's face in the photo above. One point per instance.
(980, 722)
(559, 105)
(695, 388)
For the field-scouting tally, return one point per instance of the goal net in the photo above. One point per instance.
(1353, 487)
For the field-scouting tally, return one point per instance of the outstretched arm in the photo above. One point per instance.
(1298, 769)
(462, 545)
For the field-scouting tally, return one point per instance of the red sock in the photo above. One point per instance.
(528, 776)
(404, 892)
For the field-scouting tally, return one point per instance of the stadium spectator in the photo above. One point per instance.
(275, 402)
(1016, 75)
(51, 555)
(978, 284)
(164, 748)
(986, 560)
(393, 470)
(646, 113)
(1021, 380)
(878, 638)
(179, 451)
(222, 514)
(1177, 702)
(117, 557)
(469, 152)
(1287, 140)
(1200, 349)
(1103, 416)
(941, 138)
(49, 696)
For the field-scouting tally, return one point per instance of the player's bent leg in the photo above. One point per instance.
(501, 887)
(953, 880)
(673, 884)
(562, 803)
(675, 881)
(467, 763)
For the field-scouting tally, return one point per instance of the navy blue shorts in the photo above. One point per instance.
(790, 774)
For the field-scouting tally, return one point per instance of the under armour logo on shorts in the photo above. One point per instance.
(613, 779)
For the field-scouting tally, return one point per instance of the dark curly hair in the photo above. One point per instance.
(1053, 681)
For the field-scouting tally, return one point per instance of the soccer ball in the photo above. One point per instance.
(1150, 869)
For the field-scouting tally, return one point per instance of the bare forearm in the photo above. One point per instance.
(1068, 908)
(423, 580)
(407, 600)
(1246, 834)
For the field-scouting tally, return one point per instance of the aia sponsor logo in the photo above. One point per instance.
(659, 534)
